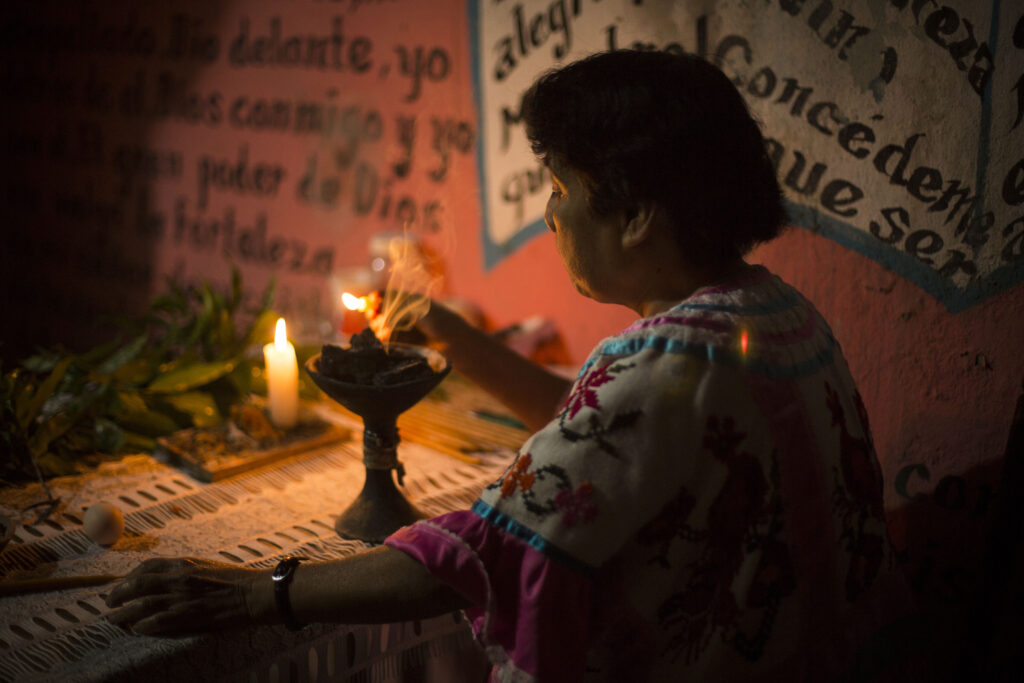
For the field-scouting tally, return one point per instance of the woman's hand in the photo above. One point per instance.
(180, 597)
(439, 323)
(527, 389)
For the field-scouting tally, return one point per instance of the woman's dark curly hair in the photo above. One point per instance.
(664, 128)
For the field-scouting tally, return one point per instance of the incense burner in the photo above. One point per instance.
(380, 509)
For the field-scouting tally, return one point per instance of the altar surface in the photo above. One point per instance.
(453, 444)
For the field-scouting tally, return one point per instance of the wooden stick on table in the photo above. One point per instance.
(9, 587)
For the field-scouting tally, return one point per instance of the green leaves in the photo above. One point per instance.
(200, 407)
(184, 363)
(29, 407)
(190, 376)
(261, 331)
(134, 414)
(61, 412)
(123, 355)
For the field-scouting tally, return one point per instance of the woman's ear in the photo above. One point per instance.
(639, 225)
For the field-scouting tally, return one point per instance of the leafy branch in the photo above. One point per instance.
(184, 363)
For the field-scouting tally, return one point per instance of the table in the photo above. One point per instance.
(251, 519)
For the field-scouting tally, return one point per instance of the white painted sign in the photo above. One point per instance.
(895, 125)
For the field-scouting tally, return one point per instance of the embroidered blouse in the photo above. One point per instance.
(706, 505)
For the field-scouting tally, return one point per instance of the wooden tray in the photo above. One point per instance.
(215, 453)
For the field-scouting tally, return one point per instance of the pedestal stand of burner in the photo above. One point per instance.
(380, 509)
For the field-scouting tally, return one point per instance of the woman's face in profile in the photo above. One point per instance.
(587, 242)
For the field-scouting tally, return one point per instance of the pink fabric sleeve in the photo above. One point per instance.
(530, 612)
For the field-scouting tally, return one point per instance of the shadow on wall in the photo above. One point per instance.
(77, 247)
(962, 552)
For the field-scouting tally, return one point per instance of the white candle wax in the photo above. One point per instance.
(282, 372)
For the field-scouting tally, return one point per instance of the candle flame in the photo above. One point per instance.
(353, 302)
(370, 307)
(743, 342)
(280, 335)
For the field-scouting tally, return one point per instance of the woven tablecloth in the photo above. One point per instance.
(251, 519)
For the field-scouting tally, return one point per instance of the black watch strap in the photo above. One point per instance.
(282, 577)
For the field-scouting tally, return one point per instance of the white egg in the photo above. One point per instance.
(103, 523)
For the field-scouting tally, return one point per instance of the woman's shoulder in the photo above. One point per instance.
(755, 323)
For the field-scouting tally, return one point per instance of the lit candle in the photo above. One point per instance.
(353, 302)
(282, 379)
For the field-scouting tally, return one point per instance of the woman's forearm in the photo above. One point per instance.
(177, 597)
(529, 390)
(378, 586)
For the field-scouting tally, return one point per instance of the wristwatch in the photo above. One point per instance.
(282, 576)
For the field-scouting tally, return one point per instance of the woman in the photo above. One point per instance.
(703, 504)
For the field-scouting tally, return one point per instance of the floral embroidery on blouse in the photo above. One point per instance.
(746, 516)
(595, 428)
(518, 476)
(584, 394)
(547, 490)
(576, 505)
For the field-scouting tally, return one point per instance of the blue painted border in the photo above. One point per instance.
(953, 298)
(902, 263)
(494, 252)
